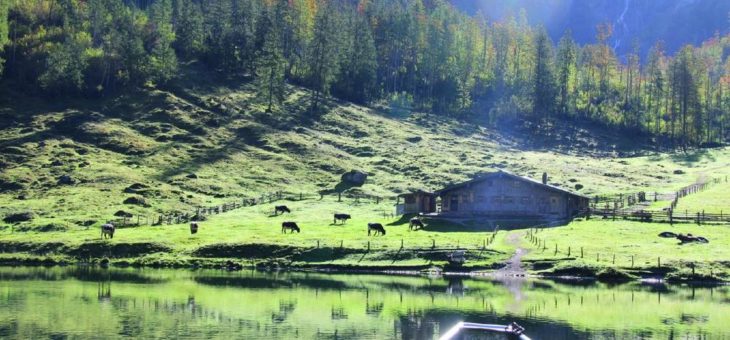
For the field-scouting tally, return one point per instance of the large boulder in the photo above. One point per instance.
(18, 217)
(355, 177)
(66, 180)
(136, 201)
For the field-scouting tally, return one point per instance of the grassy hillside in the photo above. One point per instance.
(199, 143)
(203, 141)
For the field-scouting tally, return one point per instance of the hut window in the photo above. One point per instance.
(410, 199)
(464, 198)
(509, 200)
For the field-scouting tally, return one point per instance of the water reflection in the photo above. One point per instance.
(78, 302)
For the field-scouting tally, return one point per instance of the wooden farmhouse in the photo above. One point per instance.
(499, 194)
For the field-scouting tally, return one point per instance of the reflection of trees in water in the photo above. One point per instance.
(286, 307)
(104, 291)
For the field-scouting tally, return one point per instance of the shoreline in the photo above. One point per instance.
(228, 264)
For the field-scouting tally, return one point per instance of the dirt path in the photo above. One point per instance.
(514, 264)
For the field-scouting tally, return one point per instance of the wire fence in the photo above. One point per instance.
(604, 257)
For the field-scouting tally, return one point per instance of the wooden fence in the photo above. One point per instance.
(665, 215)
(201, 213)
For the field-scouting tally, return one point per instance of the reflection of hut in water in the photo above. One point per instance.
(373, 309)
(456, 286)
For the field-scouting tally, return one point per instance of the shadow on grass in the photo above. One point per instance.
(691, 157)
(487, 225)
(404, 219)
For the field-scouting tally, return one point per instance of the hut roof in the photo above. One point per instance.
(502, 173)
(417, 191)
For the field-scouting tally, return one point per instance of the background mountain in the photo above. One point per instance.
(676, 22)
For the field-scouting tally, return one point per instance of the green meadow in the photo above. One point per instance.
(203, 144)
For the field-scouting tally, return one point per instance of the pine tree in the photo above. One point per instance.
(567, 59)
(4, 31)
(162, 57)
(271, 63)
(324, 57)
(188, 24)
(544, 82)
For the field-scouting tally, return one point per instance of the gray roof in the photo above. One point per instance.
(510, 175)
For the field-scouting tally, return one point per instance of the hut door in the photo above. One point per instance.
(554, 204)
(454, 203)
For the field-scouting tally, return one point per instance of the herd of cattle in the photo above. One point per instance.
(107, 230)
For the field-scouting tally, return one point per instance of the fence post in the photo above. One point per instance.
(632, 261)
(340, 244)
(368, 245)
(598, 257)
(433, 243)
(659, 262)
(556, 249)
(581, 252)
(614, 259)
(317, 244)
(300, 196)
(401, 243)
(568, 251)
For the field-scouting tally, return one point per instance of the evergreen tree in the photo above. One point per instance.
(188, 23)
(566, 72)
(4, 31)
(324, 54)
(271, 63)
(544, 82)
(162, 57)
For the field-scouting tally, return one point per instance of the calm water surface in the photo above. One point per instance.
(75, 303)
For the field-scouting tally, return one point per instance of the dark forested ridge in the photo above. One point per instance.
(421, 55)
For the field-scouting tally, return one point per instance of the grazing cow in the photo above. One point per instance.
(415, 224)
(281, 209)
(689, 238)
(107, 230)
(342, 217)
(377, 228)
(292, 226)
(193, 228)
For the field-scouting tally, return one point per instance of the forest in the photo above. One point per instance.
(423, 55)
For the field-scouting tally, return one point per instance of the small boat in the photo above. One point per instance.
(511, 331)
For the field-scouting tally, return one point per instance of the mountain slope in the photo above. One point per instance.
(201, 142)
(675, 22)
